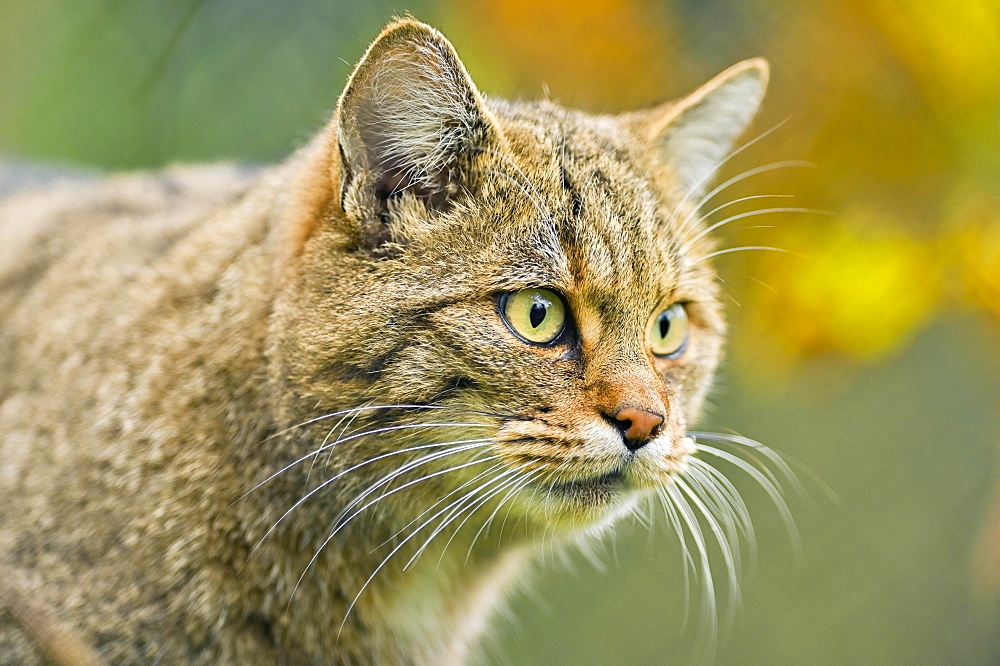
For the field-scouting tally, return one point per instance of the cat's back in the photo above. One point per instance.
(99, 276)
(58, 218)
(88, 273)
(82, 261)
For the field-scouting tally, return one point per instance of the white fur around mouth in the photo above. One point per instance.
(618, 479)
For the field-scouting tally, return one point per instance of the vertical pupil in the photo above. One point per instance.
(664, 325)
(537, 314)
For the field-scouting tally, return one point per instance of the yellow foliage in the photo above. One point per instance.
(584, 54)
(952, 48)
(977, 245)
(861, 289)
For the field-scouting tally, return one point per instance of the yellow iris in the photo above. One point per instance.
(536, 315)
(668, 334)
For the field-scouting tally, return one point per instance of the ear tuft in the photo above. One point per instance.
(408, 116)
(694, 136)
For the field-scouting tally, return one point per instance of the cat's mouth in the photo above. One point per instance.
(595, 495)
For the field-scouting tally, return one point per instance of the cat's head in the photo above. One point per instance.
(535, 273)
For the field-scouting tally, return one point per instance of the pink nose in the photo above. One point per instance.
(637, 426)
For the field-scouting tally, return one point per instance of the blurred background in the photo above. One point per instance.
(870, 352)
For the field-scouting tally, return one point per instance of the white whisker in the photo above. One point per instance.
(365, 408)
(711, 172)
(486, 523)
(477, 444)
(688, 568)
(728, 493)
(442, 499)
(709, 629)
(715, 210)
(721, 509)
(326, 439)
(338, 527)
(766, 480)
(389, 478)
(376, 431)
(474, 505)
(725, 547)
(683, 226)
(770, 454)
(741, 249)
(514, 488)
(732, 218)
(389, 556)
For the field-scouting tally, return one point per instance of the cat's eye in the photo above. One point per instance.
(537, 316)
(668, 334)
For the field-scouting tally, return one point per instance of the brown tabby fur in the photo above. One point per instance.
(163, 336)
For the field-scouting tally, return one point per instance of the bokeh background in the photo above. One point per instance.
(870, 352)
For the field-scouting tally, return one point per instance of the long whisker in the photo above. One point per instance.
(534, 476)
(689, 567)
(715, 210)
(470, 445)
(708, 492)
(375, 431)
(514, 488)
(442, 500)
(352, 410)
(761, 476)
(487, 522)
(728, 494)
(732, 218)
(389, 478)
(711, 172)
(708, 630)
(384, 561)
(326, 439)
(683, 226)
(742, 249)
(473, 505)
(772, 456)
(725, 547)
(338, 527)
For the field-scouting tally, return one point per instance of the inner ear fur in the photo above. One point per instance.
(693, 136)
(409, 120)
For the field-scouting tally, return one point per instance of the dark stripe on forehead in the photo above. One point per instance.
(573, 196)
(610, 146)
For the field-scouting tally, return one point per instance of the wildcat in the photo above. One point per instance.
(284, 415)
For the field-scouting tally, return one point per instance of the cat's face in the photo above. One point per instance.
(534, 273)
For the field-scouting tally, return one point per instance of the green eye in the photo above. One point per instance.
(535, 315)
(668, 334)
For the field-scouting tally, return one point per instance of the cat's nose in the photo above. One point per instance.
(637, 426)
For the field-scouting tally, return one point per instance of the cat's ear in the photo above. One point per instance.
(693, 136)
(408, 120)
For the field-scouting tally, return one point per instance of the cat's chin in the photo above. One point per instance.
(603, 496)
(588, 501)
